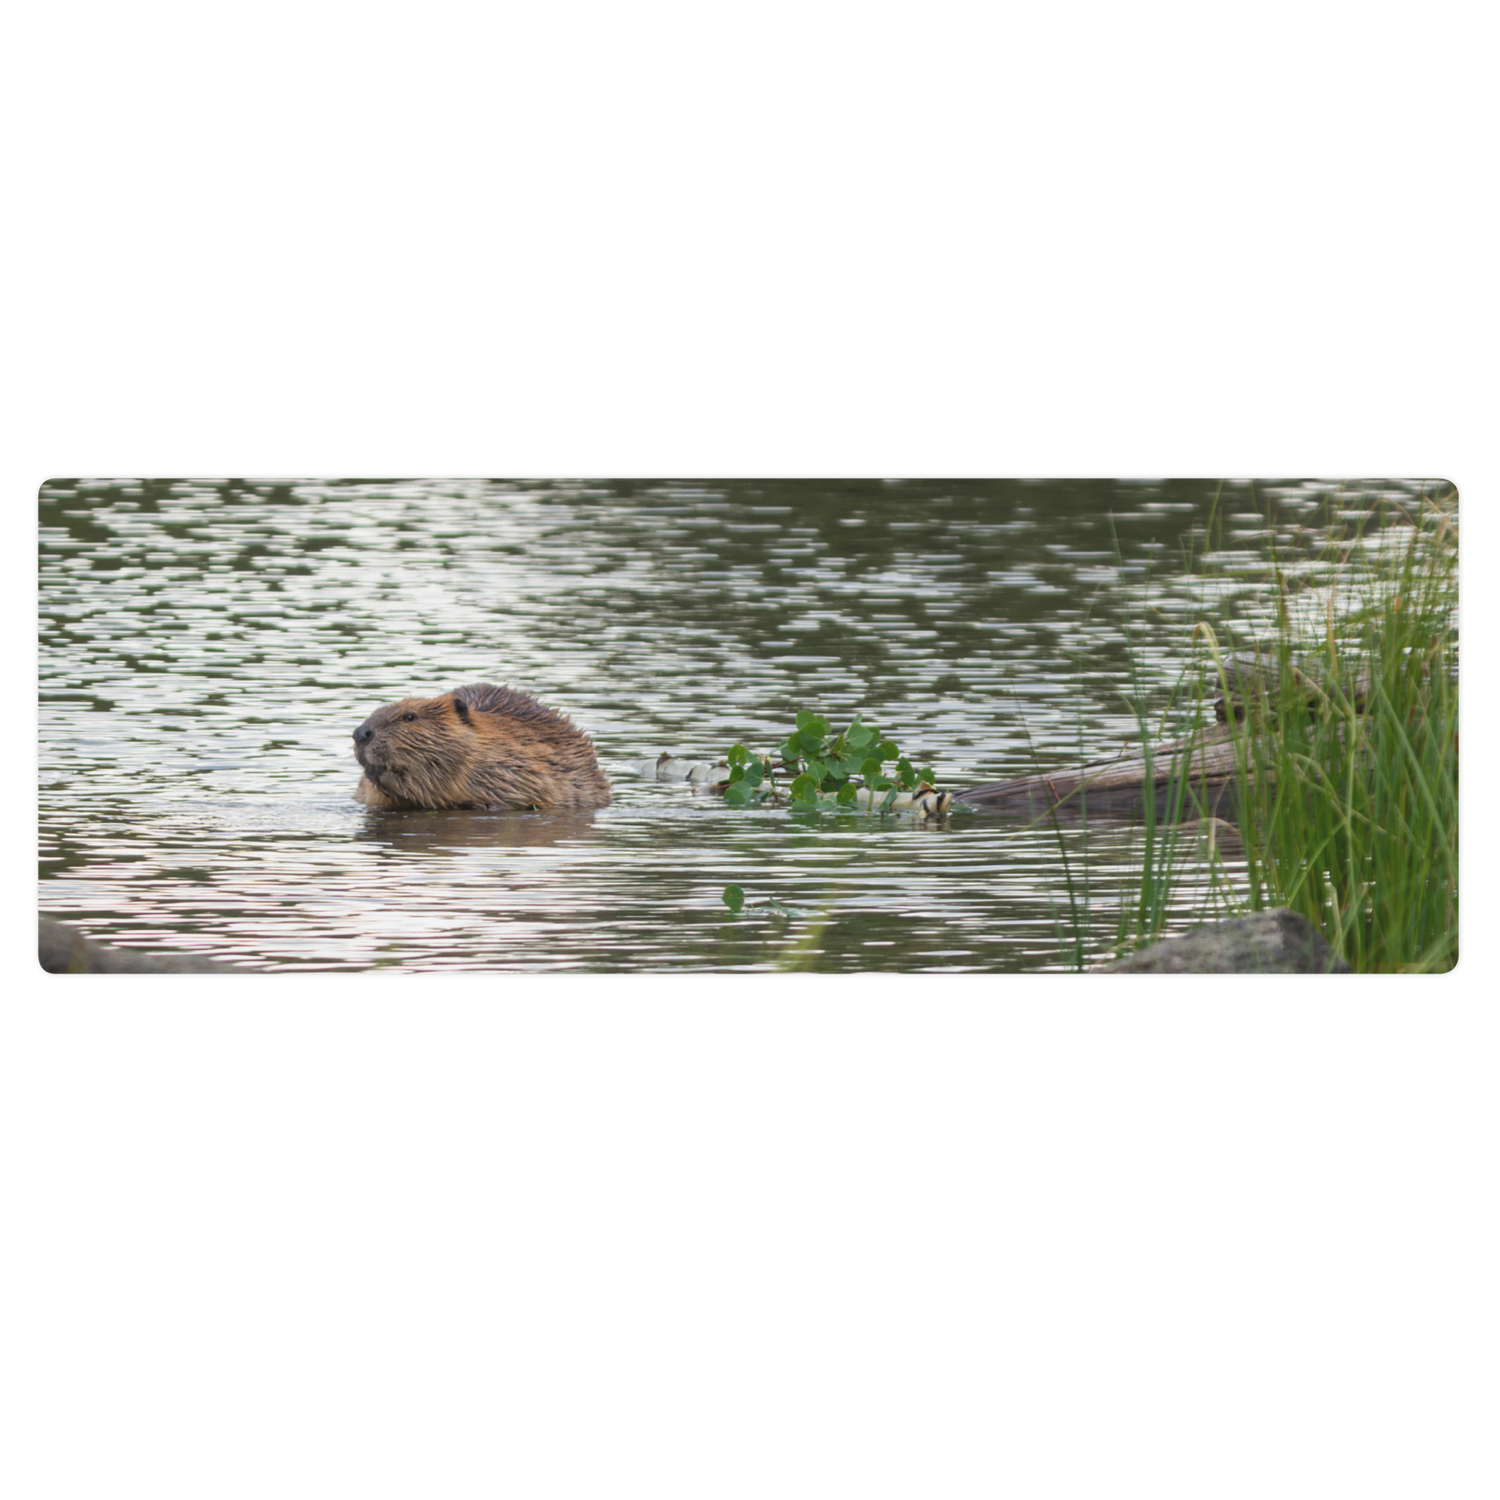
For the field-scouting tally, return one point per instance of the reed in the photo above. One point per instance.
(1346, 764)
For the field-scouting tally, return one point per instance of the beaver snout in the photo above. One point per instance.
(364, 746)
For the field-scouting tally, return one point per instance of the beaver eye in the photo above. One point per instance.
(409, 717)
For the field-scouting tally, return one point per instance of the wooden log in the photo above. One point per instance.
(1255, 686)
(1120, 785)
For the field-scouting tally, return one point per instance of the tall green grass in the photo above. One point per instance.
(1352, 813)
(1346, 767)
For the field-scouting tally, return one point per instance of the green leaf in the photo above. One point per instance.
(886, 750)
(890, 797)
(805, 804)
(808, 743)
(734, 898)
(928, 775)
(858, 736)
(815, 726)
(846, 795)
(906, 771)
(738, 755)
(755, 773)
(805, 717)
(817, 770)
(736, 773)
(880, 784)
(803, 786)
(791, 751)
(737, 794)
(870, 767)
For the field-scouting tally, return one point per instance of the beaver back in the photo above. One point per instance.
(478, 746)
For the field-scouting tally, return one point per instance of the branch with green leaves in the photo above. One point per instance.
(823, 771)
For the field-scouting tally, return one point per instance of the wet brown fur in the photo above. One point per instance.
(478, 746)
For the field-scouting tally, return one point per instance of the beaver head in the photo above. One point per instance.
(418, 749)
(478, 746)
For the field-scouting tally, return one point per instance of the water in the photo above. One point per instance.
(208, 646)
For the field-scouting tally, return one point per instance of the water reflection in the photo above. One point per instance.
(208, 645)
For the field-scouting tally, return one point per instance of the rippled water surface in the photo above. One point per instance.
(208, 646)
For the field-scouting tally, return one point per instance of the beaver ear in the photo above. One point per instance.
(485, 697)
(461, 707)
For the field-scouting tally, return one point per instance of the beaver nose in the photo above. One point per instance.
(364, 734)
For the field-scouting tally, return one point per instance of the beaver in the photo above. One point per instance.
(480, 746)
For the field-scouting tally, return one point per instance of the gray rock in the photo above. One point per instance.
(64, 950)
(1266, 942)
